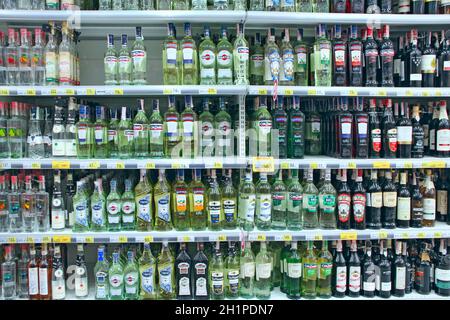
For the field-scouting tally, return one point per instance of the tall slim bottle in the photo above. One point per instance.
(247, 272)
(310, 203)
(293, 266)
(143, 200)
(161, 192)
(325, 265)
(263, 273)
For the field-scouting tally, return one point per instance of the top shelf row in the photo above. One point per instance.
(251, 18)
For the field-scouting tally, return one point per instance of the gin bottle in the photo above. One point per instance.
(126, 135)
(310, 203)
(25, 77)
(224, 59)
(35, 140)
(257, 62)
(294, 196)
(125, 64)
(14, 208)
(241, 57)
(170, 57)
(206, 121)
(172, 130)
(128, 207)
(58, 206)
(101, 270)
(139, 58)
(197, 202)
(111, 62)
(42, 206)
(156, 132)
(84, 134)
(271, 59)
(180, 205)
(280, 128)
(166, 274)
(327, 203)
(189, 58)
(143, 199)
(116, 278)
(263, 273)
(58, 133)
(4, 224)
(214, 207)
(131, 277)
(287, 56)
(70, 131)
(223, 131)
(263, 203)
(98, 208)
(207, 53)
(28, 207)
(16, 131)
(189, 129)
(113, 207)
(322, 58)
(113, 135)
(199, 5)
(100, 133)
(12, 59)
(81, 206)
(141, 132)
(147, 274)
(247, 202)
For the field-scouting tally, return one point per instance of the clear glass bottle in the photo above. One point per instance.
(116, 278)
(131, 277)
(310, 203)
(125, 135)
(25, 74)
(247, 272)
(84, 134)
(309, 273)
(100, 133)
(15, 210)
(263, 203)
(28, 206)
(161, 190)
(82, 209)
(294, 202)
(139, 59)
(12, 59)
(58, 132)
(207, 134)
(225, 58)
(166, 273)
(101, 273)
(4, 209)
(48, 129)
(141, 132)
(279, 202)
(58, 205)
(180, 205)
(287, 56)
(241, 54)
(322, 58)
(156, 126)
(263, 273)
(189, 58)
(111, 62)
(327, 203)
(125, 64)
(189, 129)
(128, 207)
(257, 62)
(223, 131)
(66, 66)
(247, 202)
(216, 275)
(143, 199)
(147, 274)
(171, 65)
(207, 54)
(172, 130)
(16, 132)
(272, 59)
(99, 221)
(70, 130)
(9, 275)
(81, 274)
(114, 207)
(214, 204)
(197, 201)
(4, 143)
(35, 140)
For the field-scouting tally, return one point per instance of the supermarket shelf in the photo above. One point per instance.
(114, 18)
(107, 91)
(68, 236)
(350, 91)
(60, 163)
(285, 18)
(440, 230)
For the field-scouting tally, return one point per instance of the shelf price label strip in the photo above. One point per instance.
(263, 164)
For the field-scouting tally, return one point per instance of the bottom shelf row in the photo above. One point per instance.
(412, 269)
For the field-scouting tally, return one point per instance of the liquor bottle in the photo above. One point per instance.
(374, 131)
(418, 7)
(147, 270)
(183, 274)
(51, 58)
(47, 133)
(444, 64)
(33, 275)
(296, 131)
(161, 200)
(443, 132)
(171, 130)
(4, 140)
(81, 274)
(354, 272)
(414, 63)
(263, 272)
(111, 62)
(12, 59)
(359, 202)
(82, 209)
(22, 272)
(116, 278)
(441, 270)
(339, 58)
(389, 211)
(16, 132)
(232, 273)
(423, 269)
(294, 199)
(100, 133)
(156, 126)
(37, 60)
(58, 132)
(428, 63)
(65, 61)
(247, 202)
(180, 205)
(84, 134)
(141, 139)
(403, 203)
(58, 206)
(205, 125)
(310, 203)
(28, 206)
(313, 136)
(45, 275)
(432, 128)
(35, 141)
(224, 59)
(287, 66)
(101, 270)
(324, 265)
(263, 126)
(283, 256)
(385, 277)
(139, 59)
(216, 275)
(322, 58)
(339, 277)
(399, 271)
(189, 129)
(70, 136)
(113, 207)
(368, 273)
(257, 62)
(389, 131)
(442, 187)
(200, 274)
(189, 58)
(99, 220)
(229, 202)
(374, 202)
(292, 265)
(355, 58)
(247, 271)
(272, 62)
(301, 60)
(327, 203)
(279, 203)
(9, 275)
(399, 68)
(125, 65)
(309, 273)
(214, 204)
(24, 53)
(127, 204)
(58, 278)
(197, 201)
(371, 56)
(4, 206)
(404, 133)
(387, 59)
(416, 203)
(429, 201)
(131, 277)
(125, 135)
(343, 202)
(418, 135)
(143, 200)
(15, 219)
(171, 74)
(207, 55)
(280, 127)
(241, 57)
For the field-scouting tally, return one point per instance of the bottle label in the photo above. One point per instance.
(344, 207)
(188, 125)
(354, 282)
(404, 135)
(110, 65)
(390, 199)
(429, 209)
(81, 214)
(99, 133)
(392, 139)
(43, 281)
(294, 270)
(341, 279)
(188, 53)
(200, 285)
(58, 286)
(233, 281)
(97, 209)
(100, 285)
(144, 207)
(65, 60)
(124, 65)
(442, 201)
(208, 58)
(279, 201)
(247, 207)
(359, 207)
(82, 130)
(294, 202)
(224, 58)
(443, 140)
(139, 60)
(229, 209)
(386, 286)
(272, 65)
(217, 282)
(165, 278)
(288, 65)
(257, 64)
(301, 54)
(376, 140)
(428, 64)
(58, 147)
(81, 283)
(156, 130)
(263, 271)
(376, 199)
(356, 56)
(400, 278)
(442, 278)
(417, 212)
(248, 270)
(264, 207)
(128, 208)
(310, 203)
(162, 207)
(33, 281)
(324, 56)
(113, 209)
(310, 271)
(148, 280)
(171, 53)
(339, 58)
(264, 126)
(327, 203)
(214, 211)
(199, 201)
(404, 209)
(50, 66)
(184, 286)
(325, 270)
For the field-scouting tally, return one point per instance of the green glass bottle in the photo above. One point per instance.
(271, 59)
(126, 135)
(257, 62)
(189, 58)
(247, 202)
(111, 62)
(147, 274)
(279, 202)
(166, 274)
(296, 131)
(283, 267)
(101, 270)
(82, 209)
(114, 207)
(241, 57)
(100, 133)
(207, 54)
(189, 129)
(325, 265)
(287, 58)
(301, 60)
(141, 139)
(157, 134)
(224, 59)
(322, 58)
(263, 273)
(180, 205)
(223, 132)
(172, 130)
(263, 203)
(327, 203)
(125, 64)
(161, 192)
(84, 134)
(216, 275)
(229, 202)
(205, 125)
(232, 273)
(294, 202)
(116, 281)
(309, 279)
(310, 203)
(128, 206)
(143, 200)
(214, 207)
(131, 277)
(293, 271)
(99, 221)
(113, 136)
(313, 141)
(139, 59)
(263, 129)
(247, 272)
(170, 58)
(197, 210)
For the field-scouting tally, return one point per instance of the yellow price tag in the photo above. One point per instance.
(167, 91)
(261, 237)
(409, 93)
(383, 235)
(421, 235)
(46, 239)
(404, 235)
(4, 92)
(118, 91)
(352, 235)
(408, 165)
(312, 92)
(263, 164)
(218, 165)
(61, 164)
(11, 240)
(425, 93)
(262, 91)
(35, 165)
(89, 239)
(318, 237)
(437, 234)
(284, 165)
(53, 92)
(212, 91)
(288, 92)
(176, 166)
(382, 93)
(70, 92)
(148, 239)
(90, 92)
(62, 239)
(351, 165)
(123, 239)
(313, 165)
(352, 92)
(31, 92)
(438, 164)
(438, 93)
(94, 165)
(120, 165)
(30, 240)
(287, 237)
(222, 237)
(186, 238)
(150, 165)
(381, 165)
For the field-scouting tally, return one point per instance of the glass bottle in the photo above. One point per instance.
(125, 135)
(128, 207)
(113, 207)
(280, 128)
(156, 138)
(296, 131)
(125, 64)
(309, 276)
(82, 209)
(116, 278)
(111, 62)
(214, 204)
(247, 202)
(354, 272)
(170, 60)
(443, 132)
(180, 204)
(291, 261)
(263, 273)
(35, 140)
(418, 134)
(207, 134)
(58, 277)
(196, 201)
(200, 274)
(14, 207)
(225, 58)
(141, 132)
(172, 128)
(84, 134)
(247, 271)
(81, 274)
(371, 56)
(189, 129)
(70, 129)
(161, 192)
(263, 203)
(241, 57)
(9, 275)
(257, 62)
(189, 58)
(45, 275)
(229, 202)
(339, 274)
(37, 60)
(294, 202)
(100, 133)
(98, 208)
(16, 132)
(101, 273)
(131, 277)
(143, 200)
(279, 203)
(58, 132)
(429, 201)
(272, 58)
(310, 203)
(147, 274)
(207, 55)
(28, 206)
(263, 127)
(166, 274)
(325, 265)
(139, 59)
(322, 58)
(327, 203)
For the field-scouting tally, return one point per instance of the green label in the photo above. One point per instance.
(325, 269)
(294, 201)
(328, 203)
(310, 203)
(310, 270)
(279, 201)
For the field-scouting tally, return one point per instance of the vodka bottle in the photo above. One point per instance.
(37, 60)
(42, 206)
(35, 140)
(25, 77)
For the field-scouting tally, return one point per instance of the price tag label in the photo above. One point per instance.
(62, 239)
(184, 239)
(311, 92)
(260, 237)
(437, 164)
(382, 93)
(217, 165)
(425, 93)
(89, 239)
(313, 165)
(35, 165)
(383, 234)
(421, 235)
(438, 93)
(284, 165)
(120, 165)
(409, 93)
(5, 165)
(123, 239)
(30, 240)
(352, 92)
(288, 92)
(178, 166)
(286, 237)
(46, 239)
(318, 237)
(437, 234)
(381, 165)
(4, 92)
(90, 92)
(93, 165)
(263, 164)
(262, 91)
(404, 235)
(118, 92)
(31, 92)
(11, 240)
(148, 239)
(150, 165)
(351, 235)
(407, 165)
(167, 91)
(70, 92)
(60, 164)
(351, 165)
(212, 91)
(222, 237)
